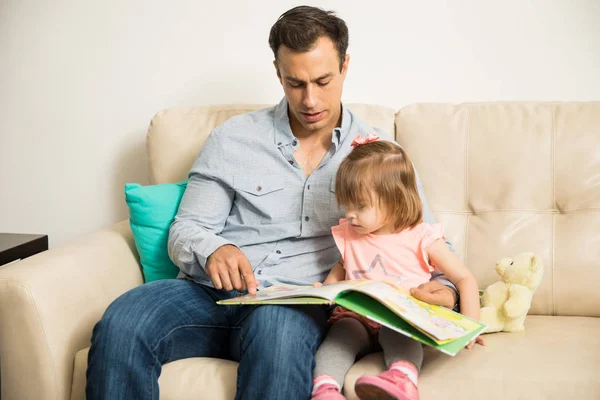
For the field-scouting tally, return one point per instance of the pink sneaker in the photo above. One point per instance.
(389, 385)
(326, 388)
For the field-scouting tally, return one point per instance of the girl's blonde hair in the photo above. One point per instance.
(382, 169)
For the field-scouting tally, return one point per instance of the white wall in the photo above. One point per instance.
(80, 80)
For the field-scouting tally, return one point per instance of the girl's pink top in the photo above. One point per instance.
(398, 256)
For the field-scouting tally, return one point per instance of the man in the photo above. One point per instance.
(257, 211)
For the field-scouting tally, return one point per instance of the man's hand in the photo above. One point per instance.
(435, 293)
(479, 340)
(229, 269)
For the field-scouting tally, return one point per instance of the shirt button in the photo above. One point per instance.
(294, 142)
(278, 251)
(291, 162)
(258, 188)
(308, 187)
(259, 272)
(278, 143)
(306, 219)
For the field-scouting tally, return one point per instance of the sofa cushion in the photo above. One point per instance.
(176, 135)
(187, 379)
(555, 358)
(151, 211)
(550, 360)
(507, 178)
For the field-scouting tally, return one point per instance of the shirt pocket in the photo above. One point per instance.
(260, 199)
(257, 185)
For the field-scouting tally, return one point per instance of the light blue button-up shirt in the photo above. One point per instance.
(246, 189)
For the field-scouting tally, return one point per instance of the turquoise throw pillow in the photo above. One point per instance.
(151, 211)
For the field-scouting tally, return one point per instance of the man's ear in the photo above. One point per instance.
(277, 70)
(345, 65)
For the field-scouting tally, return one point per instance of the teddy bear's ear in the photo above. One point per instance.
(536, 263)
(536, 269)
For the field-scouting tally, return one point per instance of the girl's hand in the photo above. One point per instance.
(317, 284)
(479, 340)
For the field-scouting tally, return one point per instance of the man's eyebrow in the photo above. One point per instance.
(291, 78)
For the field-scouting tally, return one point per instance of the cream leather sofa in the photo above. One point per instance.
(503, 177)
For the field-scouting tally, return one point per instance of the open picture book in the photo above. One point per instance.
(382, 302)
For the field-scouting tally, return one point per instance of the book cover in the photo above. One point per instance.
(382, 302)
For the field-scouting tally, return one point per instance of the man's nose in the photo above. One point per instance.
(309, 97)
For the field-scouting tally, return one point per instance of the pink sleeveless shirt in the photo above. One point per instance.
(398, 256)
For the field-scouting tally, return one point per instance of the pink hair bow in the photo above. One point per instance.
(370, 138)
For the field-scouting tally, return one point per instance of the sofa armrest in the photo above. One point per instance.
(49, 304)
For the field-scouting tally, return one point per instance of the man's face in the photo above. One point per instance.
(312, 83)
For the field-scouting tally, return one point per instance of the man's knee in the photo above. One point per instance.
(288, 330)
(125, 315)
(117, 322)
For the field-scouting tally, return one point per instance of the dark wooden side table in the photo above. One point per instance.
(16, 246)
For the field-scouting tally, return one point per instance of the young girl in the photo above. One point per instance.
(383, 238)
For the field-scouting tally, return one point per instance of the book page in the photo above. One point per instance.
(374, 310)
(294, 294)
(439, 322)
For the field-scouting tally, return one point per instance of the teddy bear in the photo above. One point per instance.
(504, 304)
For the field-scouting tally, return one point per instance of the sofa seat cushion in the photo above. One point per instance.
(187, 379)
(554, 358)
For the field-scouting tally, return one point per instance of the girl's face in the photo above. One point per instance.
(368, 219)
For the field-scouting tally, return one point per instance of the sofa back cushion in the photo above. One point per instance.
(505, 178)
(176, 135)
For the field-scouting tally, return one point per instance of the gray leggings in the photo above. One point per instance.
(348, 339)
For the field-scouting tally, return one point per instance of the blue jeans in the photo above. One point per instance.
(168, 320)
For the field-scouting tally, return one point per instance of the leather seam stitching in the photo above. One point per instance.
(553, 233)
(515, 210)
(466, 150)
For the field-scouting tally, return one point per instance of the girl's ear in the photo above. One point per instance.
(389, 219)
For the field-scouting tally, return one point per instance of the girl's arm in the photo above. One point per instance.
(446, 261)
(337, 273)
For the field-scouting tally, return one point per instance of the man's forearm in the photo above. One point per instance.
(439, 277)
(203, 210)
(428, 217)
(190, 246)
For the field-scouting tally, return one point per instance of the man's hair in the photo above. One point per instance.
(381, 169)
(301, 27)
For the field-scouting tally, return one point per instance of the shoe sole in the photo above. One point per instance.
(367, 391)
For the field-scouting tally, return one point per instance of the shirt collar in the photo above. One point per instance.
(341, 132)
(283, 131)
